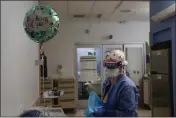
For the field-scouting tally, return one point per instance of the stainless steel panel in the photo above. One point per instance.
(146, 90)
(161, 102)
(160, 91)
(161, 112)
(160, 61)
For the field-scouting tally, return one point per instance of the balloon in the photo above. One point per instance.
(41, 23)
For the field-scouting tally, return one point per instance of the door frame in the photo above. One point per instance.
(85, 46)
(83, 103)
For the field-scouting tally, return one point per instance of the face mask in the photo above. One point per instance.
(112, 73)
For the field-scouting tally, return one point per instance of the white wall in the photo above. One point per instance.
(61, 50)
(19, 75)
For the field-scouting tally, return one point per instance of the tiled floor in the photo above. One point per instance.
(80, 113)
(144, 113)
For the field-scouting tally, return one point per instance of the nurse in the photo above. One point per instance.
(120, 94)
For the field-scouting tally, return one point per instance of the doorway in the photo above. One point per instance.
(90, 72)
(134, 54)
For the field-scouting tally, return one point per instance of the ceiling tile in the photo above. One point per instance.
(141, 15)
(80, 7)
(58, 6)
(128, 5)
(143, 5)
(121, 16)
(140, 9)
(104, 7)
(137, 7)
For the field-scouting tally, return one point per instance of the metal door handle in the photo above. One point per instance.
(158, 53)
(159, 77)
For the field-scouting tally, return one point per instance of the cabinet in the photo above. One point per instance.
(68, 100)
(45, 85)
(68, 85)
(161, 79)
(159, 61)
(88, 68)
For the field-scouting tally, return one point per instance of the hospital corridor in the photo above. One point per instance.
(71, 58)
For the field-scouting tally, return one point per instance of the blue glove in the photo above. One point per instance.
(99, 112)
(87, 113)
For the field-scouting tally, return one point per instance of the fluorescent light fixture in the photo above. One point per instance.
(166, 13)
(125, 11)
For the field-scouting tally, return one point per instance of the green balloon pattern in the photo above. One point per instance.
(41, 23)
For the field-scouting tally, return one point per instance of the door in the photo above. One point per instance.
(136, 60)
(161, 101)
(160, 59)
(105, 49)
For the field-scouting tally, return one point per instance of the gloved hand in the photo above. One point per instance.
(99, 112)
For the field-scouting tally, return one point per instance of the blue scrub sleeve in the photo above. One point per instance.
(128, 104)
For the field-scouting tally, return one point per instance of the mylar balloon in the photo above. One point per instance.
(41, 23)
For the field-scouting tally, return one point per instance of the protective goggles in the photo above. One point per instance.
(112, 65)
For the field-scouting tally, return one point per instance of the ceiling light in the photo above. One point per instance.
(79, 16)
(122, 22)
(125, 11)
(99, 16)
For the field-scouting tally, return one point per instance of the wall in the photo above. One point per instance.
(61, 50)
(19, 75)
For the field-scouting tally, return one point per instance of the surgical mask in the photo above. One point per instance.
(112, 72)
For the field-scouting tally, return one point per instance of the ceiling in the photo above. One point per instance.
(110, 10)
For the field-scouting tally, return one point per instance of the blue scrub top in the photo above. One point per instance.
(122, 97)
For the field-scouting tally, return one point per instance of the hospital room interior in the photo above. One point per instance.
(54, 76)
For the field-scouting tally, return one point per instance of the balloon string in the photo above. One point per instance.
(41, 44)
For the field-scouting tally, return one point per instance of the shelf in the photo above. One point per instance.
(88, 69)
(68, 100)
(56, 105)
(66, 86)
(66, 96)
(87, 57)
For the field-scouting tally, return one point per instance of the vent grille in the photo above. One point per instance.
(125, 11)
(79, 16)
